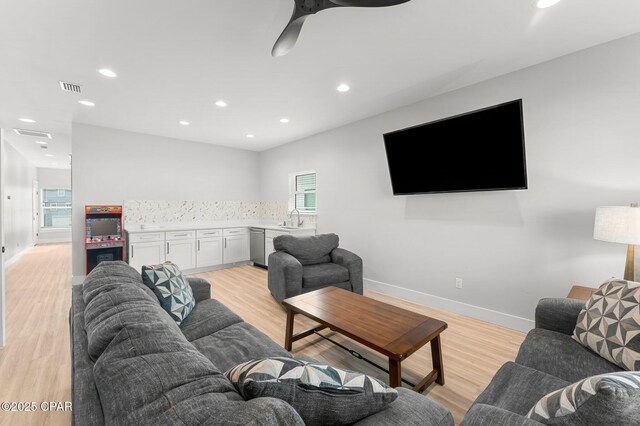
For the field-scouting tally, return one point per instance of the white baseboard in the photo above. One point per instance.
(477, 312)
(77, 279)
(17, 256)
(62, 240)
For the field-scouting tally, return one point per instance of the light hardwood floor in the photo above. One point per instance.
(35, 365)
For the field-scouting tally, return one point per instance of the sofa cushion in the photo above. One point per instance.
(171, 288)
(206, 318)
(308, 250)
(107, 275)
(86, 401)
(410, 409)
(323, 274)
(345, 286)
(561, 356)
(237, 343)
(114, 302)
(517, 388)
(319, 393)
(153, 376)
(612, 398)
(609, 324)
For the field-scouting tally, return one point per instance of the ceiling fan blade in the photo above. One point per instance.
(368, 3)
(289, 36)
(305, 8)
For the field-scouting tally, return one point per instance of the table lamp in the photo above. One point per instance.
(620, 225)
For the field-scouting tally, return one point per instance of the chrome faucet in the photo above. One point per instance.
(299, 222)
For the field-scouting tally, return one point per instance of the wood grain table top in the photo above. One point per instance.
(390, 330)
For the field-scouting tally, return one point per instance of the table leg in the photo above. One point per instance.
(288, 336)
(436, 357)
(395, 373)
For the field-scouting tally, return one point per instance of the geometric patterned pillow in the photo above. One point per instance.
(607, 399)
(609, 324)
(171, 288)
(319, 393)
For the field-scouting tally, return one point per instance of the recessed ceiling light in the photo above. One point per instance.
(41, 142)
(250, 136)
(343, 88)
(184, 123)
(87, 103)
(284, 120)
(49, 155)
(221, 103)
(27, 120)
(107, 72)
(543, 4)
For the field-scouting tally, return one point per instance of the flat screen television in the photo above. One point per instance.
(481, 150)
(109, 227)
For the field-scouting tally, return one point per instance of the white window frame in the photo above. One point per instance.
(42, 208)
(292, 191)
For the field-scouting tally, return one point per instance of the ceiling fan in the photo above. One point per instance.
(305, 8)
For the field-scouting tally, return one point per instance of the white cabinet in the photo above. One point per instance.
(269, 235)
(182, 253)
(268, 249)
(236, 245)
(146, 253)
(209, 252)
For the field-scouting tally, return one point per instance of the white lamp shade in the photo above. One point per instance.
(618, 225)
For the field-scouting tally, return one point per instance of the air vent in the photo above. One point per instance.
(70, 87)
(33, 133)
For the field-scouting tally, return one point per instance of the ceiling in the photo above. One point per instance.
(174, 59)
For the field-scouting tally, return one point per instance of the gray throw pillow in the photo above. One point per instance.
(607, 399)
(609, 324)
(171, 288)
(319, 393)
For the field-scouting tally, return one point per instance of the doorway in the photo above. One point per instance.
(3, 332)
(35, 212)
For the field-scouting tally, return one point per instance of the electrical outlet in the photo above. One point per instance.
(459, 283)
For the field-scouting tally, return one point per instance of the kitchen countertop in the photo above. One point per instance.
(133, 228)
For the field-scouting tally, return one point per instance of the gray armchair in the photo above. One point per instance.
(303, 264)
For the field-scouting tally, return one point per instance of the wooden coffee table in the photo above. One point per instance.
(387, 329)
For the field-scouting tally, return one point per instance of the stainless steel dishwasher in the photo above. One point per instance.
(257, 247)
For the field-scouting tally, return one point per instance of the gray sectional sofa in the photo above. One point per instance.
(133, 365)
(549, 359)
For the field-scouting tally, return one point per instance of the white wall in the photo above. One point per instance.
(145, 167)
(53, 178)
(18, 174)
(511, 248)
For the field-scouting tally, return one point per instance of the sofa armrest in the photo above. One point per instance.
(410, 409)
(488, 415)
(285, 275)
(200, 287)
(353, 263)
(560, 315)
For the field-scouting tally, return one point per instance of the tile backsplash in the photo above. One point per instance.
(163, 212)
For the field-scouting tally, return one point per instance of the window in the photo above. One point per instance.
(56, 208)
(302, 192)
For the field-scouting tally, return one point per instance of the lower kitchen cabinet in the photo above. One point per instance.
(182, 253)
(146, 253)
(209, 252)
(236, 248)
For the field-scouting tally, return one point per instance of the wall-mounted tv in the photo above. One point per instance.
(481, 150)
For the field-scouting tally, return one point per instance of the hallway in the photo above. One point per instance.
(35, 364)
